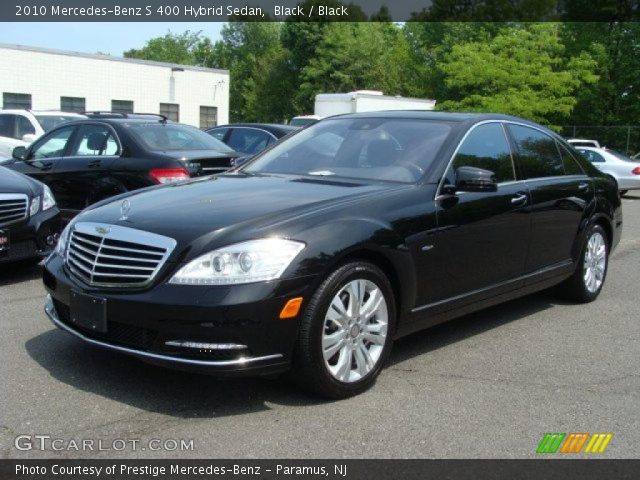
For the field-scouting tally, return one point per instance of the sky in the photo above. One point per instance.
(110, 38)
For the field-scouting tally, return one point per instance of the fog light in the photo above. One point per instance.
(291, 308)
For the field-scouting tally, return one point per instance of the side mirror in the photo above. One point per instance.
(473, 179)
(19, 153)
(28, 137)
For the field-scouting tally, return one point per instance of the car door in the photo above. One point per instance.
(482, 236)
(44, 156)
(560, 192)
(83, 176)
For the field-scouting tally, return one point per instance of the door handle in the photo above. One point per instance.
(519, 199)
(583, 186)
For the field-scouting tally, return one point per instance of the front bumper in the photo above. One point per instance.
(32, 238)
(147, 324)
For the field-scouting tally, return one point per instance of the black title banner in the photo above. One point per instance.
(317, 10)
(318, 469)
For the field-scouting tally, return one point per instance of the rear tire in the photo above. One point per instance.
(588, 279)
(345, 334)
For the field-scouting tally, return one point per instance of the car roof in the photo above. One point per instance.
(431, 115)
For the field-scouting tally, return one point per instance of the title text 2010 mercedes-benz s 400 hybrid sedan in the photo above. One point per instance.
(320, 251)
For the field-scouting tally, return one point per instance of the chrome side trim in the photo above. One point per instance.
(53, 316)
(550, 268)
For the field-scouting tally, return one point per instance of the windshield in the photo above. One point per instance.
(49, 122)
(172, 136)
(621, 156)
(396, 150)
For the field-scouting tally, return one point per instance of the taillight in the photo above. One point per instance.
(168, 175)
(636, 171)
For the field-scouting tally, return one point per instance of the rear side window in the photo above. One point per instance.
(485, 147)
(7, 125)
(248, 140)
(570, 164)
(538, 153)
(94, 140)
(593, 157)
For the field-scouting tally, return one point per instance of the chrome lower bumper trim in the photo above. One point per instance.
(53, 316)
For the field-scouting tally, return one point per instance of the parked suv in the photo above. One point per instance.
(21, 127)
(321, 251)
(108, 154)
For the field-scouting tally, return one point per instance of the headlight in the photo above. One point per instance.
(35, 206)
(48, 200)
(246, 262)
(61, 247)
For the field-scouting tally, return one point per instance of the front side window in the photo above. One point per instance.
(23, 127)
(168, 136)
(538, 153)
(248, 140)
(94, 140)
(52, 146)
(485, 147)
(380, 149)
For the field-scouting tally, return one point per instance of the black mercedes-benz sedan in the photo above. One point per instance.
(319, 252)
(29, 218)
(107, 154)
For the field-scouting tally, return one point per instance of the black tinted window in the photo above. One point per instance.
(538, 153)
(24, 127)
(248, 140)
(94, 140)
(571, 165)
(485, 147)
(7, 125)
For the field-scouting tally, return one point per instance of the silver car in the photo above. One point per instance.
(625, 170)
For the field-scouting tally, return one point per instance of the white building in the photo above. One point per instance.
(45, 79)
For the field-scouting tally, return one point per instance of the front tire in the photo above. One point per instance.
(345, 334)
(586, 282)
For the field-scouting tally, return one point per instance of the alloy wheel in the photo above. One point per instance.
(355, 330)
(595, 262)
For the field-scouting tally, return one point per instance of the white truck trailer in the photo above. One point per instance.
(328, 104)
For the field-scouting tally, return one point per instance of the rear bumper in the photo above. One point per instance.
(241, 323)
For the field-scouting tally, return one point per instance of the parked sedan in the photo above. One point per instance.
(251, 138)
(319, 252)
(108, 154)
(29, 218)
(625, 170)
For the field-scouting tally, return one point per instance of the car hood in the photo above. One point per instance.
(14, 182)
(214, 206)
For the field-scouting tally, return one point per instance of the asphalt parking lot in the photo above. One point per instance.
(488, 385)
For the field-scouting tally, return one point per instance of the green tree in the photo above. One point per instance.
(521, 71)
(171, 48)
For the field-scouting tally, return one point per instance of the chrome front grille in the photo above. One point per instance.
(115, 256)
(13, 207)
